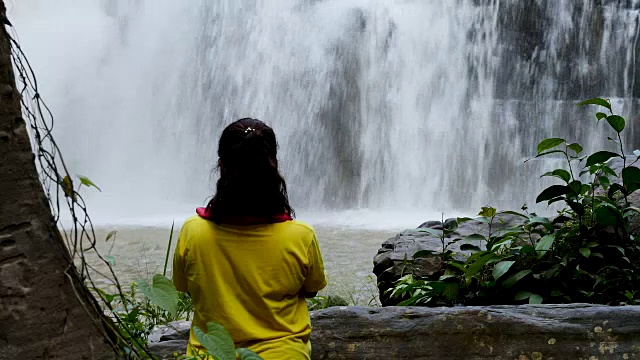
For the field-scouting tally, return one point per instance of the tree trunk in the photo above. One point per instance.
(40, 315)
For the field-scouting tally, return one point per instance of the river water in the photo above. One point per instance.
(347, 243)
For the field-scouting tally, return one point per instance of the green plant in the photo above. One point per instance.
(322, 302)
(220, 345)
(145, 305)
(581, 255)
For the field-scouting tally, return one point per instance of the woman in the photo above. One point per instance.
(243, 259)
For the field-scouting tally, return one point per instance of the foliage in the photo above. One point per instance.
(584, 254)
(139, 313)
(220, 345)
(322, 302)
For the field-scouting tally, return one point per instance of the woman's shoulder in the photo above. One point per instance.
(195, 221)
(298, 228)
(301, 225)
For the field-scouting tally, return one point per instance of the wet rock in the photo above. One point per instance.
(573, 331)
(172, 338)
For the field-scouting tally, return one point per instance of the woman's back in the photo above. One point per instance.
(251, 280)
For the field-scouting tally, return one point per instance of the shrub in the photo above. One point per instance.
(584, 254)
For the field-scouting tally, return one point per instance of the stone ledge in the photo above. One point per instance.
(572, 331)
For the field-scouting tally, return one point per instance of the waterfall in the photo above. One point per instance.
(414, 105)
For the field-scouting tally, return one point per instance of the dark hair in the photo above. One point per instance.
(250, 183)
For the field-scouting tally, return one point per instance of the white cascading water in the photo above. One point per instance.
(405, 107)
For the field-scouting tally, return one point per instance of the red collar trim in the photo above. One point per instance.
(245, 220)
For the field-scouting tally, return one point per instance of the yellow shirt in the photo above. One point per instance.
(250, 279)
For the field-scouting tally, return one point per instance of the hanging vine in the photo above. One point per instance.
(62, 191)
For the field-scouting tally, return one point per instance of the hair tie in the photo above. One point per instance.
(248, 129)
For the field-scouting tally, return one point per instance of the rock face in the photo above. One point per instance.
(574, 331)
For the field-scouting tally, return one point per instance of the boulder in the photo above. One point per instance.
(571, 331)
(168, 339)
(395, 257)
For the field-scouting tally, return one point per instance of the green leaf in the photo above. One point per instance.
(608, 215)
(600, 116)
(549, 153)
(461, 220)
(546, 153)
(556, 293)
(560, 174)
(423, 254)
(617, 122)
(552, 191)
(501, 268)
(535, 299)
(434, 232)
(596, 101)
(615, 187)
(631, 178)
(514, 213)
(576, 187)
(110, 235)
(469, 247)
(604, 181)
(473, 269)
(487, 211)
(527, 249)
(577, 207)
(246, 354)
(475, 237)
(539, 220)
(544, 244)
(577, 148)
(447, 277)
(482, 219)
(550, 143)
(111, 260)
(88, 183)
(513, 279)
(609, 171)
(450, 225)
(618, 248)
(600, 157)
(217, 341)
(523, 295)
(67, 187)
(161, 292)
(585, 252)
(450, 290)
(458, 266)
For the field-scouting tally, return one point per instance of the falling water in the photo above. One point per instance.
(415, 105)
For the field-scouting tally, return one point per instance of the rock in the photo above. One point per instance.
(572, 331)
(173, 337)
(394, 259)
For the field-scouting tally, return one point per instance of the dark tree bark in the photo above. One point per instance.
(40, 315)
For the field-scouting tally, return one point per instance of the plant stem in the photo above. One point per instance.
(166, 259)
(566, 155)
(624, 165)
(442, 239)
